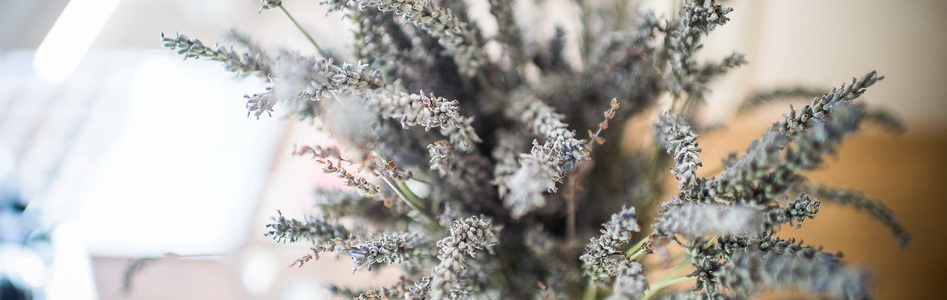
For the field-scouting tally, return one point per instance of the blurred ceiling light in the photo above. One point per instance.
(70, 38)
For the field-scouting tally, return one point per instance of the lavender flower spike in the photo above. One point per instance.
(315, 230)
(243, 64)
(750, 272)
(601, 254)
(452, 33)
(389, 249)
(539, 172)
(679, 139)
(691, 219)
(630, 283)
(547, 163)
(467, 237)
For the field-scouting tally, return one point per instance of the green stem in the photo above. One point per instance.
(586, 31)
(660, 286)
(304, 32)
(482, 80)
(591, 291)
(570, 221)
(680, 266)
(411, 199)
(710, 242)
(687, 103)
(634, 250)
(636, 255)
(397, 190)
(358, 45)
(619, 6)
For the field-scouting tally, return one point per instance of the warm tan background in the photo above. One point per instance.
(907, 173)
(819, 43)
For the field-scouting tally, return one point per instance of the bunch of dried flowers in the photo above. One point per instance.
(480, 181)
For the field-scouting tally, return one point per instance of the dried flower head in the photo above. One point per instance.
(267, 4)
(630, 283)
(603, 255)
(749, 273)
(692, 219)
(681, 141)
(313, 229)
(467, 237)
(389, 249)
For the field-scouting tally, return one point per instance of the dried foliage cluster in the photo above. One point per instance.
(501, 175)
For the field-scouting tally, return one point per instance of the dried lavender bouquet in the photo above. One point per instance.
(496, 175)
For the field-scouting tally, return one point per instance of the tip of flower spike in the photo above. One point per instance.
(628, 214)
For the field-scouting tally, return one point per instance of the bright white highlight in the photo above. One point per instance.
(72, 276)
(70, 38)
(259, 270)
(22, 265)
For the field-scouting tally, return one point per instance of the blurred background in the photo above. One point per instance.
(113, 149)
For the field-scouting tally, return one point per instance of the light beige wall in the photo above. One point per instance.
(825, 43)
